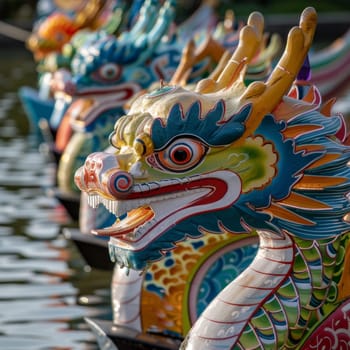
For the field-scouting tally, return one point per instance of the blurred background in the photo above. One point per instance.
(19, 9)
(334, 16)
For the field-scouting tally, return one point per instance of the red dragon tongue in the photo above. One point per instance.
(134, 219)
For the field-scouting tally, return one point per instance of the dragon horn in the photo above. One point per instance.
(266, 96)
(210, 48)
(214, 75)
(250, 37)
(186, 63)
(149, 40)
(229, 19)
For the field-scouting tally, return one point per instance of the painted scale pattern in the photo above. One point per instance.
(191, 277)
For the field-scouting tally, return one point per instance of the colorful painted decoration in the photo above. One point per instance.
(92, 115)
(230, 159)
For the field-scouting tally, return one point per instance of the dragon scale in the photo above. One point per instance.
(280, 285)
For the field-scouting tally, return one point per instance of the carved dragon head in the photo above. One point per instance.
(96, 113)
(223, 158)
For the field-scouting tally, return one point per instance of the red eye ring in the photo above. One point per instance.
(109, 72)
(181, 154)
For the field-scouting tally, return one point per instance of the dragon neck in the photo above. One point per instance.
(278, 285)
(126, 294)
(227, 316)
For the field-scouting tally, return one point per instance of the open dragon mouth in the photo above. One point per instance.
(125, 227)
(143, 219)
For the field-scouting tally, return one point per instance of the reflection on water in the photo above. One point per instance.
(43, 282)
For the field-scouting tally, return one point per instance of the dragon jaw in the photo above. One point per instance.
(190, 196)
(149, 215)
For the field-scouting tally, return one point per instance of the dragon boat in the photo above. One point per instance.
(49, 35)
(56, 38)
(105, 74)
(227, 160)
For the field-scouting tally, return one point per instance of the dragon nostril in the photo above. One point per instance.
(120, 183)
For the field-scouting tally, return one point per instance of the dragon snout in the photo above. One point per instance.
(101, 173)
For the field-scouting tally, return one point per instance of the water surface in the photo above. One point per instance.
(45, 288)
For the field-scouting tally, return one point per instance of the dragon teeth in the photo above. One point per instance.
(111, 206)
(115, 207)
(94, 200)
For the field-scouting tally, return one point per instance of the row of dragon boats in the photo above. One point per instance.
(208, 163)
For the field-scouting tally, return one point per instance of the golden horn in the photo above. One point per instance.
(266, 96)
(249, 41)
(210, 48)
(214, 75)
(186, 62)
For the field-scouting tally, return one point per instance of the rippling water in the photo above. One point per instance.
(45, 288)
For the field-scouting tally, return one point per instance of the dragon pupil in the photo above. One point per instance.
(180, 155)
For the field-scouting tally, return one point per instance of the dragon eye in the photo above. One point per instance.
(181, 155)
(108, 72)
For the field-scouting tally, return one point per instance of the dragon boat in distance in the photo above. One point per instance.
(230, 160)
